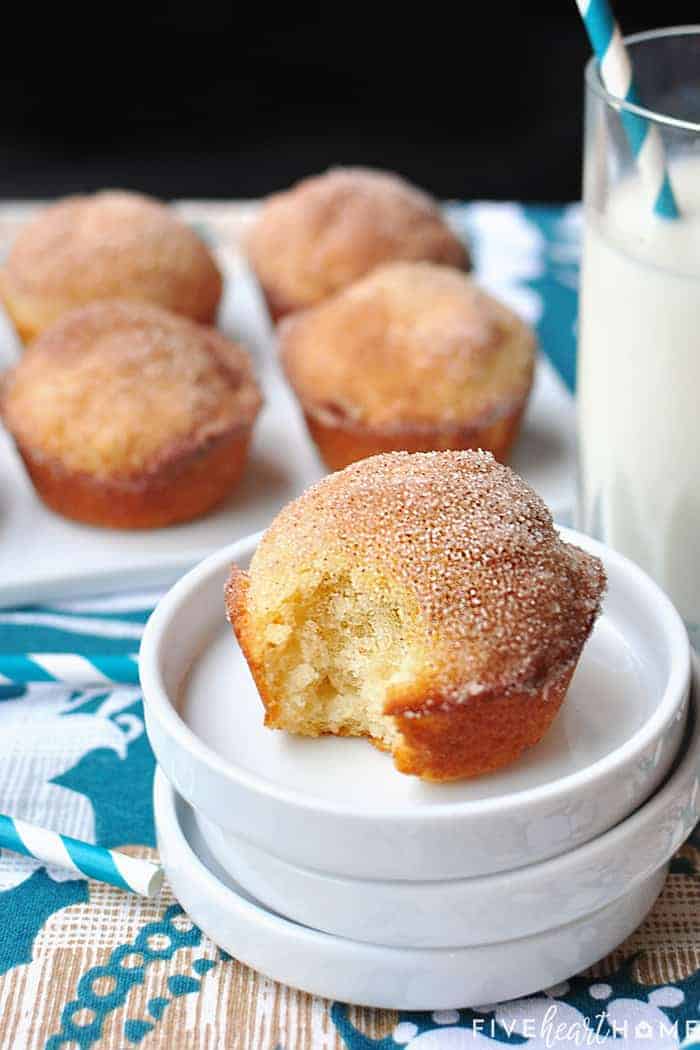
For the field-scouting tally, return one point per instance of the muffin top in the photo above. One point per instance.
(110, 244)
(120, 388)
(502, 599)
(328, 230)
(411, 343)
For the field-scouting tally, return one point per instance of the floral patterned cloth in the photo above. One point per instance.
(83, 965)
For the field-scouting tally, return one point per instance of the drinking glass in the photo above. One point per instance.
(639, 323)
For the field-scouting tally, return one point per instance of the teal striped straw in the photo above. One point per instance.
(69, 668)
(616, 74)
(84, 858)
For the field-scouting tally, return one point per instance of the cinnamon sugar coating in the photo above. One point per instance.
(112, 244)
(412, 343)
(121, 399)
(490, 607)
(329, 230)
(414, 356)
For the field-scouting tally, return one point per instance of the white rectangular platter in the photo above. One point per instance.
(44, 557)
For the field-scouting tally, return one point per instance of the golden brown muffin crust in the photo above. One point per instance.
(503, 598)
(424, 601)
(113, 244)
(118, 389)
(411, 344)
(331, 229)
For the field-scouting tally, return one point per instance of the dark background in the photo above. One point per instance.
(211, 100)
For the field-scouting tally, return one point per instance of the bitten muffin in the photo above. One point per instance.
(109, 245)
(413, 357)
(425, 601)
(331, 229)
(128, 416)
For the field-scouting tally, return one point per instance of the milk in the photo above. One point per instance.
(639, 385)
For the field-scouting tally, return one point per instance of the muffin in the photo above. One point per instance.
(329, 230)
(128, 416)
(109, 245)
(415, 357)
(424, 601)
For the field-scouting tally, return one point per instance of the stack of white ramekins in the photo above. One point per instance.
(317, 863)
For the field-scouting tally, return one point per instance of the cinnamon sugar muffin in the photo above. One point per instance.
(329, 230)
(112, 244)
(424, 601)
(128, 416)
(414, 356)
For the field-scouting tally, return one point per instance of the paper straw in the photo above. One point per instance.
(84, 858)
(69, 668)
(616, 74)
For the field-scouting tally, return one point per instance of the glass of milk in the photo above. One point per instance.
(639, 325)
